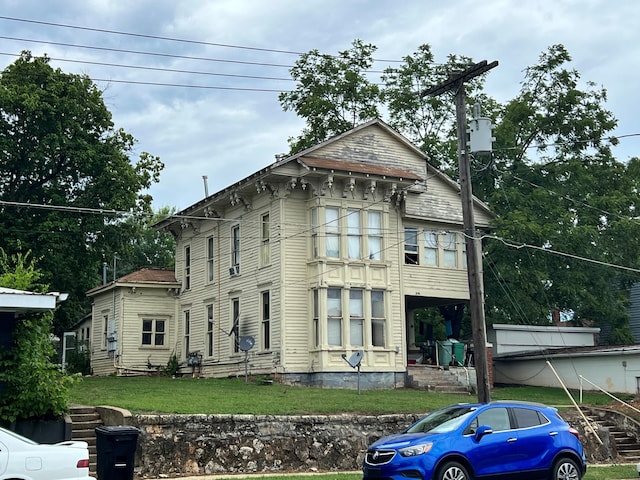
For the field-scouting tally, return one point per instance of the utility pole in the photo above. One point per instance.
(474, 262)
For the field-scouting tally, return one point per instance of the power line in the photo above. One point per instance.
(171, 39)
(184, 85)
(140, 52)
(518, 246)
(159, 69)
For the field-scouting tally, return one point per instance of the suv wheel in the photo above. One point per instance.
(453, 471)
(566, 469)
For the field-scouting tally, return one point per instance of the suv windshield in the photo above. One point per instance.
(443, 420)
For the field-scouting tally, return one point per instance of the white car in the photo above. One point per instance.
(24, 459)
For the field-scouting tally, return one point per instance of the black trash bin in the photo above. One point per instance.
(116, 451)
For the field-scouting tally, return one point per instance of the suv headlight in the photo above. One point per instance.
(415, 450)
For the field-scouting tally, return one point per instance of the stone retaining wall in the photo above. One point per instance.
(176, 445)
(182, 445)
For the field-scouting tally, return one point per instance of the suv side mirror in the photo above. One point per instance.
(482, 431)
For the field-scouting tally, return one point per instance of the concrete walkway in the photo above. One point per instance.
(254, 475)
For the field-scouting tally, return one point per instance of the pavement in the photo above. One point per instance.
(253, 475)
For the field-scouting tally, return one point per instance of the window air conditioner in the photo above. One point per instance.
(235, 270)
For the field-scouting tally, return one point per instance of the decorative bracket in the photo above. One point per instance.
(349, 186)
(236, 199)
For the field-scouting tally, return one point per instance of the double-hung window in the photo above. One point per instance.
(316, 320)
(430, 256)
(235, 247)
(450, 249)
(210, 331)
(210, 259)
(411, 245)
(374, 235)
(186, 315)
(377, 318)
(265, 300)
(334, 317)
(332, 230)
(353, 234)
(187, 267)
(356, 318)
(235, 323)
(105, 330)
(314, 232)
(265, 248)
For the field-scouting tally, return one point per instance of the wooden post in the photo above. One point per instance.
(474, 261)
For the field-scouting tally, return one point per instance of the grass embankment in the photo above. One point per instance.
(235, 396)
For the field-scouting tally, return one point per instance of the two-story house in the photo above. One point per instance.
(293, 269)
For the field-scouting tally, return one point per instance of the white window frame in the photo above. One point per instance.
(210, 324)
(265, 239)
(378, 318)
(374, 235)
(211, 259)
(334, 317)
(356, 317)
(354, 234)
(265, 313)
(235, 245)
(411, 246)
(332, 232)
(235, 323)
(187, 267)
(186, 322)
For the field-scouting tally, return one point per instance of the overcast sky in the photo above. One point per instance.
(236, 125)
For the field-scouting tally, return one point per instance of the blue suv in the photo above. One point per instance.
(482, 440)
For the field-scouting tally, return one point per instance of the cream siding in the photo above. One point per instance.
(131, 302)
(296, 283)
(253, 279)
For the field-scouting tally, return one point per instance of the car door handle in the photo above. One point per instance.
(511, 440)
(553, 434)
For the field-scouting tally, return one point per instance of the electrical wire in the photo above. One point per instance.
(170, 39)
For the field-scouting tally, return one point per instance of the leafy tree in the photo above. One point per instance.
(333, 94)
(144, 246)
(428, 121)
(569, 195)
(34, 386)
(65, 174)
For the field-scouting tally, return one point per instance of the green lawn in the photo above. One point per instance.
(235, 396)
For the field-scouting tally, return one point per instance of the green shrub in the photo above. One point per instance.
(173, 365)
(34, 385)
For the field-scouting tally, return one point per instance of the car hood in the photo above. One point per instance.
(401, 440)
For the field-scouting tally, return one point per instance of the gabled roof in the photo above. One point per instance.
(160, 277)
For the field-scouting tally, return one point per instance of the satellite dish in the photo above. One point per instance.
(355, 358)
(246, 343)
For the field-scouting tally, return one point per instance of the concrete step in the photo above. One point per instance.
(435, 379)
(84, 421)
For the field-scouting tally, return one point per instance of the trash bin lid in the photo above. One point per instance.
(117, 430)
